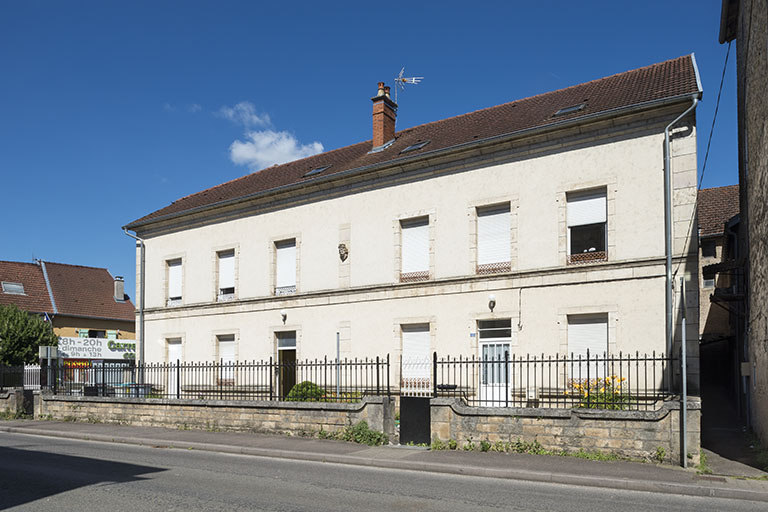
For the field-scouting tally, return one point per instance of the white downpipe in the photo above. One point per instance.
(141, 298)
(668, 223)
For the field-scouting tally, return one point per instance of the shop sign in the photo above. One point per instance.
(96, 348)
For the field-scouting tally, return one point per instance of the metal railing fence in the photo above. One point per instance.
(608, 381)
(326, 380)
(22, 376)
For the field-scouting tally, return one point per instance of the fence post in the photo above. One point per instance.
(388, 388)
(271, 378)
(378, 390)
(178, 379)
(506, 378)
(103, 378)
(434, 374)
(589, 384)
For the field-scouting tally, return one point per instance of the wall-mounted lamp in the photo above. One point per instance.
(284, 314)
(491, 302)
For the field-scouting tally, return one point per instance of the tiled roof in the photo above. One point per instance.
(86, 291)
(30, 276)
(715, 207)
(77, 290)
(670, 79)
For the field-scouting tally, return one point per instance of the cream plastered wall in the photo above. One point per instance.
(372, 325)
(362, 297)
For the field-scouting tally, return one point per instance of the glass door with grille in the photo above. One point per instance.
(495, 342)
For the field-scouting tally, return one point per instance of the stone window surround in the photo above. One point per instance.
(496, 315)
(397, 336)
(215, 342)
(275, 329)
(472, 207)
(219, 249)
(398, 232)
(609, 183)
(612, 310)
(174, 336)
(167, 259)
(272, 248)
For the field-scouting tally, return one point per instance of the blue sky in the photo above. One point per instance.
(110, 110)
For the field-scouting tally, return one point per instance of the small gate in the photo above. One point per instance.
(415, 394)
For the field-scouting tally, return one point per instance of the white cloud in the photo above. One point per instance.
(244, 113)
(264, 148)
(194, 107)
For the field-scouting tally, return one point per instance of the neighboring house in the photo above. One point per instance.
(716, 208)
(536, 226)
(746, 22)
(79, 301)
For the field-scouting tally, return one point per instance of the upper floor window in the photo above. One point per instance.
(708, 249)
(415, 249)
(226, 272)
(586, 226)
(493, 239)
(174, 269)
(285, 267)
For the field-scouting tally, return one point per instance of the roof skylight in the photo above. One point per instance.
(13, 288)
(568, 110)
(414, 147)
(316, 170)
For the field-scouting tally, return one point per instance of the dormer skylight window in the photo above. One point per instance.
(316, 170)
(13, 288)
(414, 147)
(569, 110)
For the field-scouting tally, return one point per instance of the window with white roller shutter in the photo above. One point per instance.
(285, 267)
(415, 249)
(226, 264)
(586, 217)
(416, 363)
(226, 349)
(174, 281)
(493, 239)
(588, 334)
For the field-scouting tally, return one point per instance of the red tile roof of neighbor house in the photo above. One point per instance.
(715, 207)
(77, 290)
(30, 276)
(671, 79)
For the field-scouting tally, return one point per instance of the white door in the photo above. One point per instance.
(416, 366)
(227, 359)
(174, 356)
(495, 341)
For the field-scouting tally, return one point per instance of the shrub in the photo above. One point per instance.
(485, 446)
(306, 392)
(452, 444)
(601, 393)
(361, 433)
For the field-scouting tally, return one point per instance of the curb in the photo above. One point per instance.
(432, 467)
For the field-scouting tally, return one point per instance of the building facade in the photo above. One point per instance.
(533, 227)
(746, 23)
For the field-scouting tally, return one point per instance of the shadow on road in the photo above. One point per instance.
(29, 475)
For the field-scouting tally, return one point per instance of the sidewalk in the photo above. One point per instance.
(562, 470)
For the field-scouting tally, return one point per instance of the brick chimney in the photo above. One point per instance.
(119, 289)
(384, 113)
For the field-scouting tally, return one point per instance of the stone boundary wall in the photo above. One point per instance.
(14, 402)
(626, 433)
(293, 418)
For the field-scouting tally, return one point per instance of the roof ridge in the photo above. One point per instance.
(75, 265)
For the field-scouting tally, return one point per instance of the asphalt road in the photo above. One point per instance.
(38, 473)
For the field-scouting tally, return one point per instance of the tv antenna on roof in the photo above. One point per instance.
(401, 80)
